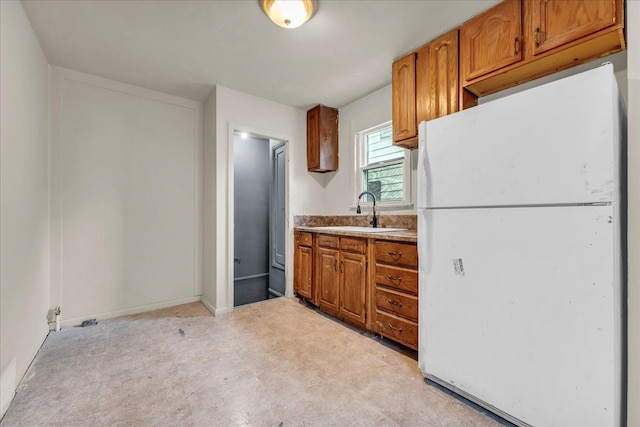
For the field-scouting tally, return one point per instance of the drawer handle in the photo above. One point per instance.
(393, 328)
(516, 46)
(396, 280)
(395, 255)
(392, 302)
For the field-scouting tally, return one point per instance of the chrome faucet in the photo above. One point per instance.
(374, 221)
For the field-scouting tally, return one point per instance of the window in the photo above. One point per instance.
(382, 168)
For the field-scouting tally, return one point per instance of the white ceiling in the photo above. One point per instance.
(184, 48)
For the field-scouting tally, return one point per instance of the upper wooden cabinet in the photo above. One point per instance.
(437, 77)
(557, 22)
(520, 40)
(425, 86)
(491, 40)
(322, 139)
(403, 90)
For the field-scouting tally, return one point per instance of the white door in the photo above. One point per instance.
(554, 144)
(520, 307)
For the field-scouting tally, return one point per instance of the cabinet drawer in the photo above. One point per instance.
(397, 278)
(403, 331)
(396, 303)
(305, 238)
(394, 253)
(327, 241)
(353, 245)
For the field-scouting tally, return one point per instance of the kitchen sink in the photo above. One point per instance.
(359, 229)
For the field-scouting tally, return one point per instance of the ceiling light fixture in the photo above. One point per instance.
(289, 13)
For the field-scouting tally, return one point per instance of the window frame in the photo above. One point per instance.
(360, 167)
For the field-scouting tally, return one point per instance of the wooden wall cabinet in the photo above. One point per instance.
(322, 139)
(403, 96)
(342, 277)
(491, 40)
(520, 40)
(437, 83)
(554, 23)
(425, 86)
(303, 265)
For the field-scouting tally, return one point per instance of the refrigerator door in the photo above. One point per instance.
(553, 144)
(520, 309)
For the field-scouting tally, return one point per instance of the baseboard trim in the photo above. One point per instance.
(126, 311)
(13, 375)
(208, 305)
(8, 385)
(222, 310)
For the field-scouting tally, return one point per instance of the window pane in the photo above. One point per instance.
(380, 147)
(385, 182)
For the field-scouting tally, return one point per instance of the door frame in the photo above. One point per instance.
(271, 135)
(272, 207)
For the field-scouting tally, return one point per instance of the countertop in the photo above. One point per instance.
(400, 236)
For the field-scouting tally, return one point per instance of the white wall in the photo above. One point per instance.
(233, 109)
(368, 111)
(209, 218)
(633, 40)
(24, 195)
(126, 197)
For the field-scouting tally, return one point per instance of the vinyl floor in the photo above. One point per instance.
(273, 363)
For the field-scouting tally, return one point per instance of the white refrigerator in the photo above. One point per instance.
(519, 239)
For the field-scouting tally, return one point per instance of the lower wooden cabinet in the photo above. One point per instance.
(353, 286)
(395, 288)
(341, 277)
(369, 283)
(303, 265)
(328, 280)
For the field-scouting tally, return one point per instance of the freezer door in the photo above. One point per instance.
(521, 309)
(553, 144)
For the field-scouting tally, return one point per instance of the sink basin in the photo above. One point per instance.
(359, 229)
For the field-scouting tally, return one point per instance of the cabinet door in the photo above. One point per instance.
(491, 40)
(328, 280)
(303, 268)
(353, 280)
(403, 89)
(437, 78)
(322, 139)
(313, 139)
(557, 22)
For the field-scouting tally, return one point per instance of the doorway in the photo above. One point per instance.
(258, 218)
